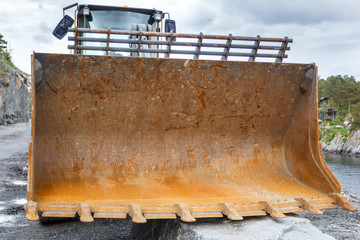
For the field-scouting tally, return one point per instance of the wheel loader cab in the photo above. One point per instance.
(116, 18)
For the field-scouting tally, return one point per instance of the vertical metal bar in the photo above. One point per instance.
(255, 49)
(63, 17)
(75, 41)
(167, 55)
(282, 51)
(197, 50)
(76, 24)
(157, 38)
(68, 7)
(227, 48)
(139, 46)
(108, 41)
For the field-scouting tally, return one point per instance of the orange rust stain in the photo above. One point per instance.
(75, 109)
(211, 119)
(231, 151)
(54, 57)
(190, 154)
(169, 187)
(180, 115)
(175, 128)
(78, 166)
(201, 95)
(131, 163)
(166, 162)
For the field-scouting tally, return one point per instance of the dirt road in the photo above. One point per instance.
(13, 173)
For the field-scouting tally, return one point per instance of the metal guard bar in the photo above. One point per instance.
(142, 38)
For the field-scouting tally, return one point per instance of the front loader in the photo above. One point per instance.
(160, 125)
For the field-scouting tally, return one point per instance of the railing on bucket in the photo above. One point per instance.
(199, 46)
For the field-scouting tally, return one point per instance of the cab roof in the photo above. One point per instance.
(127, 9)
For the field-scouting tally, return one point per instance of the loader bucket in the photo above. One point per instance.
(161, 138)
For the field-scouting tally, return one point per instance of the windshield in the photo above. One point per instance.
(115, 20)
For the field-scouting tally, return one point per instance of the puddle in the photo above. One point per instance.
(19, 182)
(6, 218)
(20, 201)
(2, 207)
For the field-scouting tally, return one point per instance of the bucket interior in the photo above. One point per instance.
(164, 131)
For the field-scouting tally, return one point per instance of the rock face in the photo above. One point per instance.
(335, 144)
(14, 95)
(352, 145)
(291, 227)
(349, 146)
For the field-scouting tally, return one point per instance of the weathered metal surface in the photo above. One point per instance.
(228, 47)
(159, 137)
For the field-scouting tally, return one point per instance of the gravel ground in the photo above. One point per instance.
(13, 225)
(13, 175)
(337, 222)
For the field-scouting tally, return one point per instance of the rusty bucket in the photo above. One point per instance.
(161, 138)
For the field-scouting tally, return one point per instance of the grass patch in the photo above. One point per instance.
(8, 62)
(327, 135)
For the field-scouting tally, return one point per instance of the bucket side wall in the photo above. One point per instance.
(304, 160)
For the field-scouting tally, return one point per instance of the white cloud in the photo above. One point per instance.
(324, 31)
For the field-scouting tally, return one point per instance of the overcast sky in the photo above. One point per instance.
(326, 32)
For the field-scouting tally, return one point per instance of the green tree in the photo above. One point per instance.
(3, 44)
(343, 91)
(355, 112)
(321, 88)
(5, 52)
